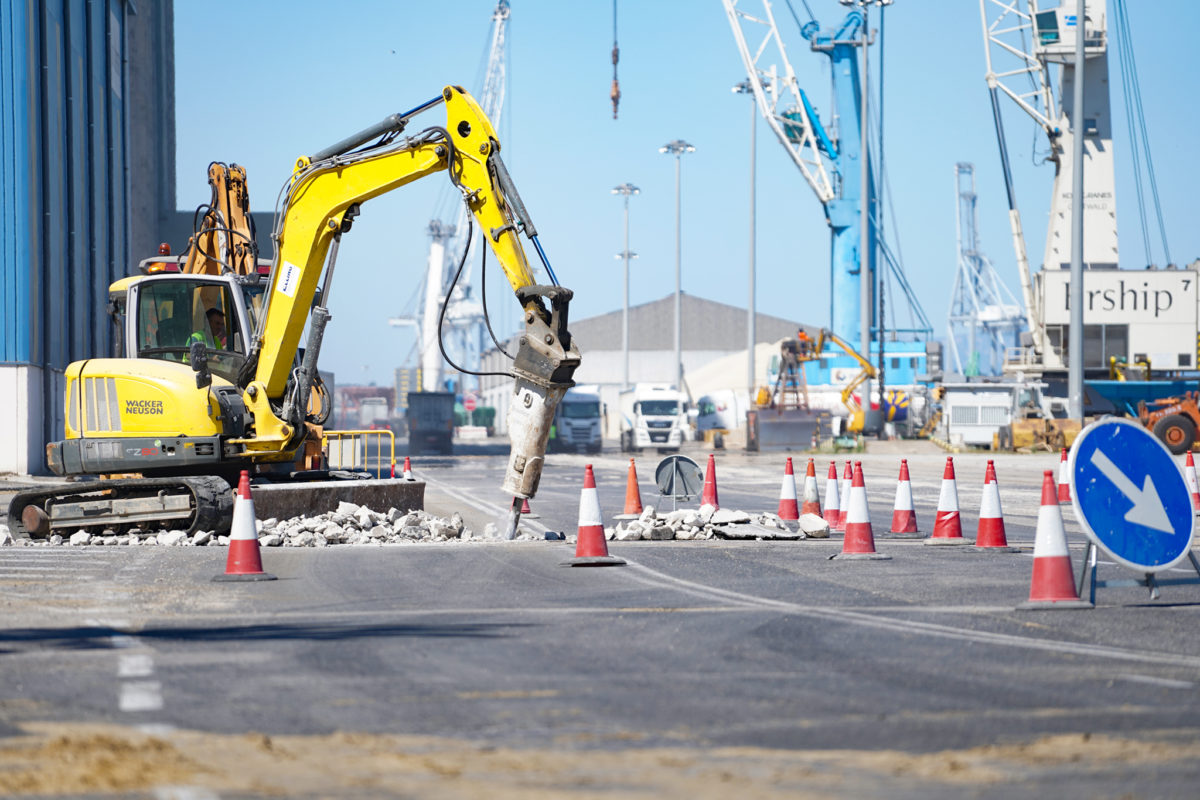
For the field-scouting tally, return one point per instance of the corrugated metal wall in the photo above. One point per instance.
(63, 184)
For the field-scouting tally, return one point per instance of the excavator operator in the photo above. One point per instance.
(214, 337)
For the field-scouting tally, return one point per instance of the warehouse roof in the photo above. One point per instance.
(707, 325)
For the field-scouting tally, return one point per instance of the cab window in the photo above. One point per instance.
(174, 313)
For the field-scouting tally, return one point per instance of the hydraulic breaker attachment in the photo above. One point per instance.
(545, 363)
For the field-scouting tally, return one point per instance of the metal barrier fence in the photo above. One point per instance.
(351, 450)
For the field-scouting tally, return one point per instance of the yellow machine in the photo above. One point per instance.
(803, 349)
(210, 378)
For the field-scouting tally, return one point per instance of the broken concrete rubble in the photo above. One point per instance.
(358, 525)
(707, 523)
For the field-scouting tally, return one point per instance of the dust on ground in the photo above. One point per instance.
(54, 759)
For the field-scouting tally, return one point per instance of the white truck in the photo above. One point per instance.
(577, 421)
(653, 415)
(373, 413)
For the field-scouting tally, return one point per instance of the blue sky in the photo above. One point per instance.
(310, 73)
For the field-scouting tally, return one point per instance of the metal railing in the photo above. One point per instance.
(351, 450)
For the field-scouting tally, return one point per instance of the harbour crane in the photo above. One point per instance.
(831, 162)
(983, 311)
(462, 329)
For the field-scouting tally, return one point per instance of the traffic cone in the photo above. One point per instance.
(591, 548)
(1189, 472)
(709, 496)
(832, 513)
(526, 511)
(860, 540)
(844, 500)
(1064, 485)
(904, 517)
(990, 534)
(633, 497)
(812, 502)
(787, 494)
(947, 525)
(244, 562)
(408, 476)
(1053, 582)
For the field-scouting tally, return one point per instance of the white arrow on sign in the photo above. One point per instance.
(1147, 509)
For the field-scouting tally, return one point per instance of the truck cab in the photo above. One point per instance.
(577, 422)
(653, 416)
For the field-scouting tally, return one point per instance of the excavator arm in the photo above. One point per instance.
(321, 200)
(868, 371)
(223, 240)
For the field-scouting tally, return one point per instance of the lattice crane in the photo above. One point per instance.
(464, 330)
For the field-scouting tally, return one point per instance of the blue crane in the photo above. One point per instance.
(831, 161)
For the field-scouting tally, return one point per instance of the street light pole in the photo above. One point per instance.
(746, 88)
(677, 148)
(626, 190)
(866, 249)
(866, 253)
(1075, 328)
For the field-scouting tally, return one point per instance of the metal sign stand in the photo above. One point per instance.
(678, 477)
(1149, 580)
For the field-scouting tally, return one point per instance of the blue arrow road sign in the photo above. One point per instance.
(1130, 496)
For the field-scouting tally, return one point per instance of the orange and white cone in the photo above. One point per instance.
(812, 501)
(408, 476)
(859, 542)
(591, 548)
(1189, 472)
(904, 518)
(844, 500)
(990, 534)
(709, 496)
(833, 514)
(633, 496)
(947, 524)
(1064, 477)
(1053, 582)
(244, 562)
(788, 508)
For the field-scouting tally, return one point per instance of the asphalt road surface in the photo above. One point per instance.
(701, 669)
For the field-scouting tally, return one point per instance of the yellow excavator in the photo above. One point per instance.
(210, 378)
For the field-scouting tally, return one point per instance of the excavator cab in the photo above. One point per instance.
(171, 312)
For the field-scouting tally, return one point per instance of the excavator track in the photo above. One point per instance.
(191, 504)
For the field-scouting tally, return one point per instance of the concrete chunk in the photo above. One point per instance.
(170, 538)
(726, 516)
(814, 526)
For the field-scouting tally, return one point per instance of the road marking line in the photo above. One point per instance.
(1167, 682)
(141, 696)
(135, 665)
(894, 624)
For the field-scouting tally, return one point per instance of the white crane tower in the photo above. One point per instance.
(984, 314)
(1023, 39)
(464, 327)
